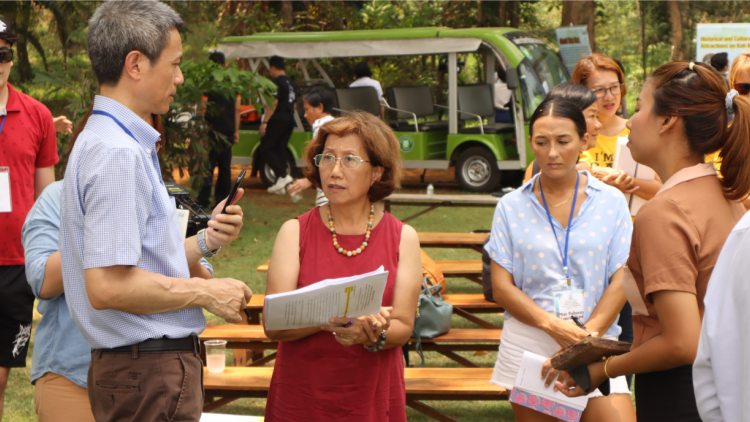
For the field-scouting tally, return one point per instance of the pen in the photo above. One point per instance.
(580, 324)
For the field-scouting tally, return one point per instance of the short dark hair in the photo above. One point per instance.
(361, 70)
(557, 107)
(217, 57)
(119, 27)
(575, 93)
(317, 96)
(719, 61)
(277, 62)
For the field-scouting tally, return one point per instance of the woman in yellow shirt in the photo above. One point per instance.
(603, 76)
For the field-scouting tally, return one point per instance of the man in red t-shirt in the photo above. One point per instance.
(28, 153)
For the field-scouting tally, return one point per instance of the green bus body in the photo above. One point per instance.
(434, 149)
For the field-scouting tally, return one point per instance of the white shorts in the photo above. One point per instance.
(518, 337)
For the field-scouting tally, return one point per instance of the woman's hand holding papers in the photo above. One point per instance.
(354, 331)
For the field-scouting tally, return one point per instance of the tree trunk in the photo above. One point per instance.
(502, 12)
(288, 14)
(581, 13)
(481, 19)
(644, 48)
(515, 18)
(24, 67)
(676, 12)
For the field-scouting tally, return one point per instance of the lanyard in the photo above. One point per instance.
(104, 113)
(563, 253)
(3, 123)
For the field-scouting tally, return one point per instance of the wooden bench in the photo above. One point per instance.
(252, 337)
(421, 384)
(470, 269)
(452, 240)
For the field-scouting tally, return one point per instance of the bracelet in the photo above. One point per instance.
(379, 344)
(605, 366)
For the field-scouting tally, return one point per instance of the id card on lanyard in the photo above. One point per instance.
(6, 200)
(568, 294)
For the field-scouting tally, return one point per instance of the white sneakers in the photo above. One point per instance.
(279, 188)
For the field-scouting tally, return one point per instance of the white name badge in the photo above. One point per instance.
(183, 216)
(569, 304)
(6, 204)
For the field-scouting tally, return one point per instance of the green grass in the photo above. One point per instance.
(264, 215)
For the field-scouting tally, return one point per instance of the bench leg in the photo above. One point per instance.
(476, 320)
(425, 211)
(430, 411)
(458, 358)
(263, 360)
(218, 403)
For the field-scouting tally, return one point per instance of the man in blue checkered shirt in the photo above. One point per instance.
(131, 282)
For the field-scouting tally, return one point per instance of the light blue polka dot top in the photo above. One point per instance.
(523, 243)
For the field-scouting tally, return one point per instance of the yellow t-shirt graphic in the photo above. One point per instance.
(603, 155)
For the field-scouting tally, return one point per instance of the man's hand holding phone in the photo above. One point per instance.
(226, 226)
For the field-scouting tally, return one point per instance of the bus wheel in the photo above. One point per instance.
(476, 170)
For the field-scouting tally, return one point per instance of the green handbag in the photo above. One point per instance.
(433, 315)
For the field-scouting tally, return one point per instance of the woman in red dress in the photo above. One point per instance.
(356, 372)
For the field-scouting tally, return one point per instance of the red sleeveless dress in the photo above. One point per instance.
(318, 379)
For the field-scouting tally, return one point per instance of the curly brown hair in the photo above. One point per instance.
(379, 141)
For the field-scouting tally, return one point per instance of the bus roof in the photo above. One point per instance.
(359, 43)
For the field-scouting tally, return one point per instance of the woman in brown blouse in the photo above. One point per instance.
(681, 115)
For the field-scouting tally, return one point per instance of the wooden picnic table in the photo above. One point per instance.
(452, 240)
(409, 199)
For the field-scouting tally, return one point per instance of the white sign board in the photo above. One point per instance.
(574, 44)
(730, 38)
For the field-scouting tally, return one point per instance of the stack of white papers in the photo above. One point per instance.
(311, 306)
(624, 161)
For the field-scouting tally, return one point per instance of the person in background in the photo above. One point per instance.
(277, 125)
(224, 120)
(62, 124)
(603, 76)
(318, 105)
(353, 372)
(586, 101)
(623, 110)
(681, 115)
(720, 62)
(502, 97)
(363, 77)
(28, 154)
(739, 75)
(132, 284)
(559, 203)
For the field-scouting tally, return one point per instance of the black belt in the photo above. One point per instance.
(159, 345)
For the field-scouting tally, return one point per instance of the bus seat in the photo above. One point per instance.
(363, 98)
(414, 99)
(477, 101)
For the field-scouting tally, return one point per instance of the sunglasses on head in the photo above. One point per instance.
(743, 89)
(6, 55)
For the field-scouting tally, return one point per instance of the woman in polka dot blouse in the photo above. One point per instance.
(528, 265)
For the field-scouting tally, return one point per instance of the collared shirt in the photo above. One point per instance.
(721, 375)
(677, 239)
(368, 81)
(523, 243)
(59, 347)
(27, 142)
(116, 211)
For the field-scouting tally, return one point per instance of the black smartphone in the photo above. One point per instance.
(233, 192)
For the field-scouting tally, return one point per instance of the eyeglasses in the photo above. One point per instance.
(6, 55)
(350, 162)
(614, 90)
(743, 89)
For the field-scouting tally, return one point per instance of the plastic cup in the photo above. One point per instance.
(216, 355)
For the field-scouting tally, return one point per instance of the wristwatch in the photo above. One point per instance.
(202, 245)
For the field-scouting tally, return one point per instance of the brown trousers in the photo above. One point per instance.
(146, 386)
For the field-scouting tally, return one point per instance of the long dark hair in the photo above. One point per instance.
(577, 94)
(558, 107)
(698, 96)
